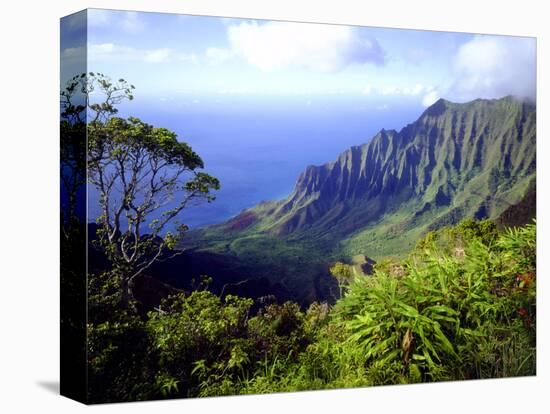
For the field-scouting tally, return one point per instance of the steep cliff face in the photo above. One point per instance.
(376, 200)
(468, 156)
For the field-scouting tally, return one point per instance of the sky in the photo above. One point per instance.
(202, 56)
(262, 100)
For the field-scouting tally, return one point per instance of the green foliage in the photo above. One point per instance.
(343, 274)
(137, 170)
(120, 366)
(452, 239)
(461, 305)
(439, 316)
(198, 339)
(451, 316)
(144, 176)
(104, 297)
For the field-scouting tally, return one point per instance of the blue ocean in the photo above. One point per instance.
(257, 148)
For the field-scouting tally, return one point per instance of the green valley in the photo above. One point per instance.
(470, 160)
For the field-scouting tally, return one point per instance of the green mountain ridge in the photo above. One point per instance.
(457, 160)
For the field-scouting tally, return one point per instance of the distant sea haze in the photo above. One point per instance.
(257, 148)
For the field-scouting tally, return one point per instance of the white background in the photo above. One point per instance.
(29, 280)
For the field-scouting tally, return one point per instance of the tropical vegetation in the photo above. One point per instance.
(456, 302)
(461, 305)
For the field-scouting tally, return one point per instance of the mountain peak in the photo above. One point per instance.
(452, 148)
(457, 160)
(437, 108)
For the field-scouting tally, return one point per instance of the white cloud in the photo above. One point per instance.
(111, 51)
(215, 55)
(99, 17)
(235, 91)
(418, 55)
(158, 55)
(72, 52)
(132, 23)
(128, 21)
(390, 90)
(104, 51)
(495, 66)
(227, 21)
(414, 90)
(280, 45)
(428, 94)
(430, 98)
(418, 89)
(100, 49)
(74, 21)
(367, 90)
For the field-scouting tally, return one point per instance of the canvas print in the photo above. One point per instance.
(253, 206)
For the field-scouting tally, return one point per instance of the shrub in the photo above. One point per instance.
(449, 317)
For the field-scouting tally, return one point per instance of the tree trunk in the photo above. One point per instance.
(126, 293)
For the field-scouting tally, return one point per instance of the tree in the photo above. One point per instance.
(145, 177)
(343, 274)
(73, 237)
(72, 155)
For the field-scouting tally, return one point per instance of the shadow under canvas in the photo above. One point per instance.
(51, 386)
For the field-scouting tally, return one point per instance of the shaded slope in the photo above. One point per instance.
(521, 213)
